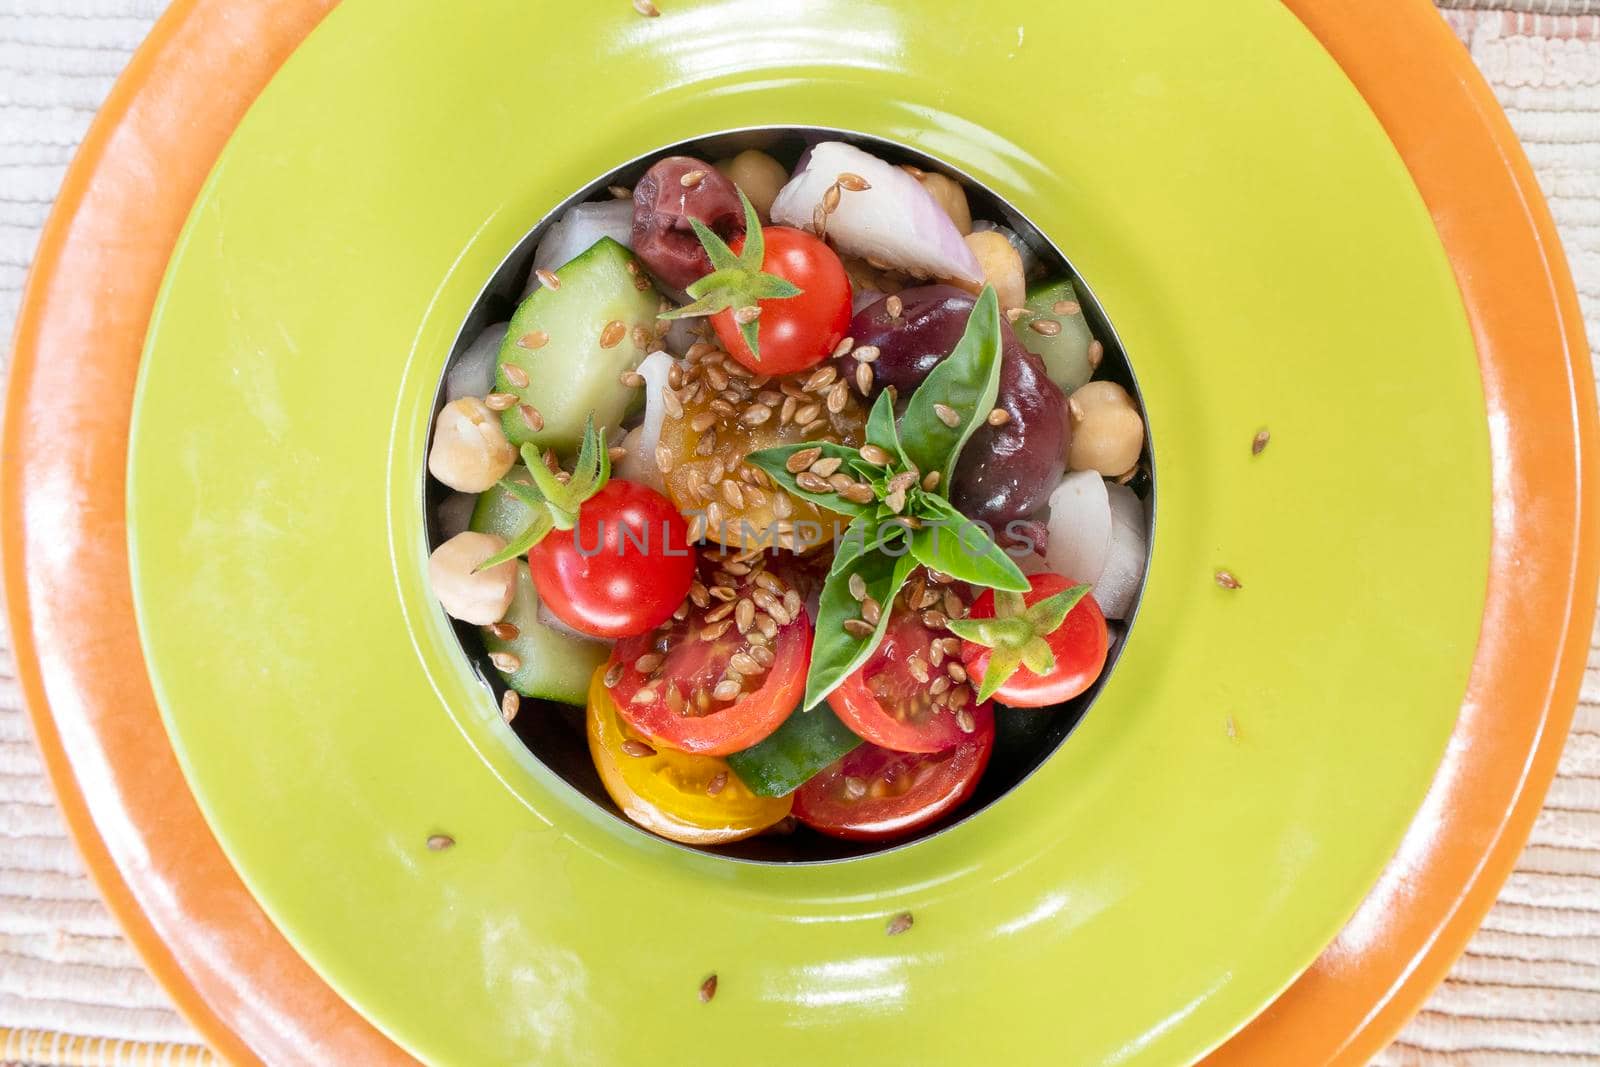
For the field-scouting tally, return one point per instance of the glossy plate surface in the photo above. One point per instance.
(304, 673)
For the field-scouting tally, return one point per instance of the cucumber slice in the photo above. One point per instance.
(500, 513)
(1065, 354)
(571, 373)
(807, 742)
(555, 665)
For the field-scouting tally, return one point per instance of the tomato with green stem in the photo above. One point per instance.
(609, 558)
(1034, 649)
(779, 298)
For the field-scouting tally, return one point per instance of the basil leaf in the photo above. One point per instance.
(950, 542)
(775, 462)
(835, 652)
(880, 425)
(864, 534)
(807, 742)
(966, 382)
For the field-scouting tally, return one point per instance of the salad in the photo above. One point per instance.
(805, 485)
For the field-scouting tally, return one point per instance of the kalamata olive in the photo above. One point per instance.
(1006, 472)
(662, 206)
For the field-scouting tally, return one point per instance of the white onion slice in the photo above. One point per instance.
(896, 221)
(574, 232)
(1080, 524)
(455, 513)
(639, 465)
(1119, 581)
(472, 374)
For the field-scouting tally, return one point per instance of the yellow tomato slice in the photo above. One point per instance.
(719, 426)
(666, 792)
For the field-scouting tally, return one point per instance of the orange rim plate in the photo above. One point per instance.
(84, 317)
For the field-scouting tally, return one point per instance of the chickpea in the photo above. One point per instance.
(470, 451)
(481, 598)
(1107, 432)
(951, 197)
(1001, 265)
(758, 175)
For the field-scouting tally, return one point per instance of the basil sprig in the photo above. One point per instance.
(897, 523)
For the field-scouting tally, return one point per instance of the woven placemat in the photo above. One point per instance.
(72, 992)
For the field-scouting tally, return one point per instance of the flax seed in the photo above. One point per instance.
(647, 662)
(515, 375)
(953, 607)
(875, 455)
(637, 749)
(964, 717)
(531, 417)
(899, 924)
(1066, 307)
(671, 404)
(917, 669)
(1258, 445)
(843, 347)
(506, 662)
(858, 628)
(692, 178)
(533, 339)
(440, 842)
(547, 278)
(870, 610)
(895, 501)
(931, 482)
(947, 415)
(858, 587)
(1097, 352)
(745, 615)
(812, 483)
(802, 460)
(998, 417)
(1047, 327)
(727, 689)
(643, 696)
(1227, 580)
(504, 631)
(808, 414)
(864, 378)
(858, 493)
(613, 675)
(756, 415)
(782, 507)
(826, 466)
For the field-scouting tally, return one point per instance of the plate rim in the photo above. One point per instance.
(135, 104)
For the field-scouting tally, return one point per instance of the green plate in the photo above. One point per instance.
(1224, 806)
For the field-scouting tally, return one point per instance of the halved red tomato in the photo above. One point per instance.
(726, 673)
(873, 794)
(912, 694)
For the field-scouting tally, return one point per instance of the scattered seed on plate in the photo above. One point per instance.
(1227, 580)
(649, 11)
(533, 339)
(899, 924)
(440, 842)
(1233, 728)
(708, 988)
(547, 278)
(1260, 443)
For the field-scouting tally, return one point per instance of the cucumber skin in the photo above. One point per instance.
(555, 665)
(572, 376)
(1066, 354)
(807, 742)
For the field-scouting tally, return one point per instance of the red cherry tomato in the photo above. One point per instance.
(1079, 645)
(623, 569)
(682, 665)
(872, 794)
(890, 701)
(798, 331)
